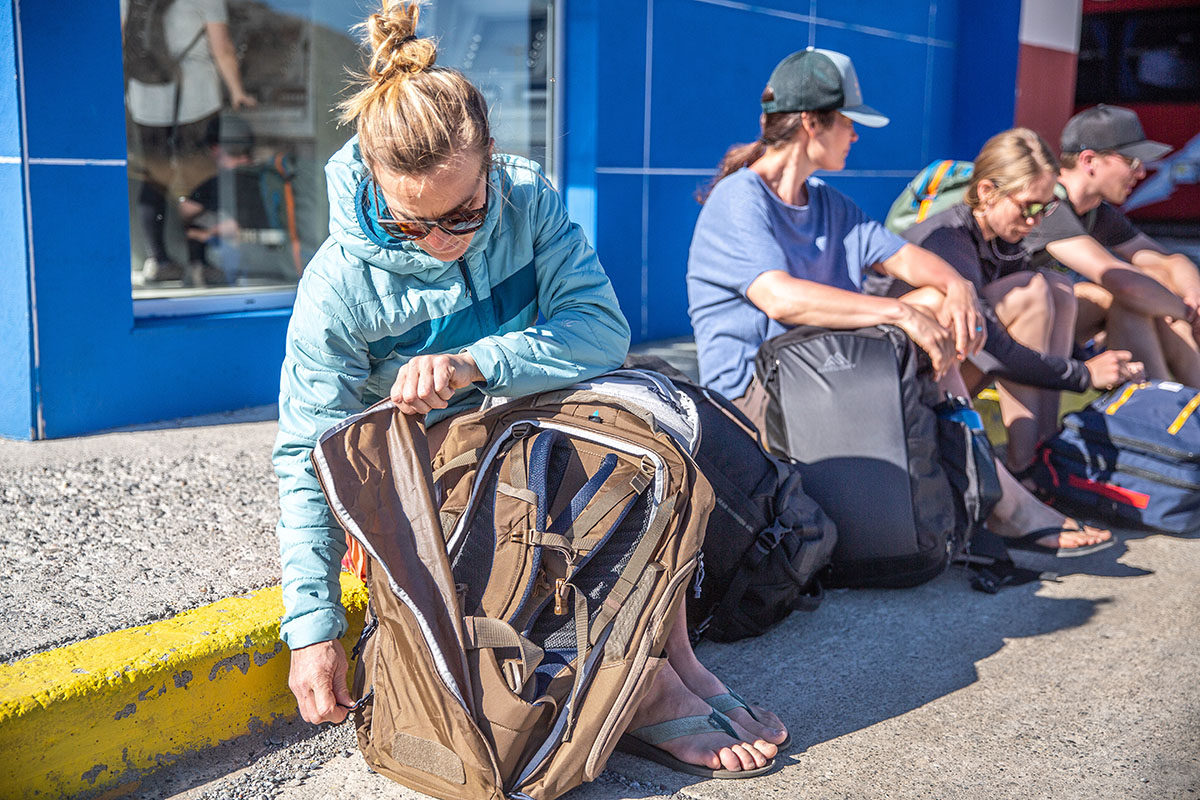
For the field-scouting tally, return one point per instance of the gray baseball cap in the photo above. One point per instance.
(1110, 128)
(820, 80)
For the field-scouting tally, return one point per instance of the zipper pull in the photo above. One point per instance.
(560, 596)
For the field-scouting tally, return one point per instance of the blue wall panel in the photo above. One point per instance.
(985, 72)
(674, 216)
(709, 59)
(619, 240)
(73, 79)
(17, 398)
(621, 88)
(897, 18)
(707, 89)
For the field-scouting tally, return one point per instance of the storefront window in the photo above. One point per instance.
(230, 130)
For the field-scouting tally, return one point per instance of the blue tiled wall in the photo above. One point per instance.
(654, 92)
(918, 61)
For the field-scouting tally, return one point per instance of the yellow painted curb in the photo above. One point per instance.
(102, 712)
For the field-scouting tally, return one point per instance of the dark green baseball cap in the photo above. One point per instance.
(820, 80)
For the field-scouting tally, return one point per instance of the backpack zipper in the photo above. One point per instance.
(1131, 443)
(1135, 472)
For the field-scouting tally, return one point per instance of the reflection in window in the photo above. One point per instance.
(1150, 56)
(229, 113)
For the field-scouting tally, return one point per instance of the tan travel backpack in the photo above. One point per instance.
(519, 614)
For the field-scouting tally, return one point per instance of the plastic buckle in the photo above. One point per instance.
(769, 538)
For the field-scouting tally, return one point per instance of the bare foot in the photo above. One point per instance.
(1072, 534)
(704, 684)
(1070, 539)
(1019, 513)
(669, 699)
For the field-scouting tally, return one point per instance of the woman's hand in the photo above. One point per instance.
(930, 335)
(318, 679)
(1114, 367)
(428, 382)
(963, 316)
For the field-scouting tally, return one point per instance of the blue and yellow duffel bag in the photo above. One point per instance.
(1131, 457)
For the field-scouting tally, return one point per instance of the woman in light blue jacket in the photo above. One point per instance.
(440, 259)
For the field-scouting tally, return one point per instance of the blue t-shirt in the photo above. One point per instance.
(745, 230)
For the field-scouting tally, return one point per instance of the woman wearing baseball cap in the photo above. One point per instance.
(775, 247)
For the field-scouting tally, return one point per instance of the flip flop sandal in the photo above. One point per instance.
(644, 742)
(1029, 543)
(731, 700)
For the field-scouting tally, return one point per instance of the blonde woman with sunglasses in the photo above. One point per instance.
(442, 257)
(1030, 314)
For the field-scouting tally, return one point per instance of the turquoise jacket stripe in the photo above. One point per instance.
(529, 301)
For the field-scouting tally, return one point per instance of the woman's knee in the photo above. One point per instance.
(926, 297)
(1032, 296)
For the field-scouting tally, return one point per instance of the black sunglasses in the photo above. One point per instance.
(456, 223)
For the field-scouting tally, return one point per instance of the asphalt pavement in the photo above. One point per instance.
(1081, 689)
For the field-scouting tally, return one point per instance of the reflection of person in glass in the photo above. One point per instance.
(442, 256)
(169, 120)
(228, 211)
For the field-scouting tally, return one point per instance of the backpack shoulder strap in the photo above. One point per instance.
(928, 189)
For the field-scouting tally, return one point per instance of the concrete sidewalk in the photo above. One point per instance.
(1078, 689)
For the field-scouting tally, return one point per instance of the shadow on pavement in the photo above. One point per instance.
(869, 655)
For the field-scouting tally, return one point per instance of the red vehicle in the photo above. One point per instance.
(1145, 55)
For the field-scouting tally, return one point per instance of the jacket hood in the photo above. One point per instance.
(350, 226)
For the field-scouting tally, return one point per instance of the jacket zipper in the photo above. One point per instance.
(466, 276)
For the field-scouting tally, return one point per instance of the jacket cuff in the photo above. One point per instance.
(492, 365)
(313, 627)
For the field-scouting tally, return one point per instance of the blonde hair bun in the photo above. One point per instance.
(395, 47)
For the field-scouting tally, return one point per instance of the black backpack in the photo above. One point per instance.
(146, 54)
(768, 544)
(855, 410)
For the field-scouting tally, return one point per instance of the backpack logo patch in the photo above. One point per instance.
(836, 363)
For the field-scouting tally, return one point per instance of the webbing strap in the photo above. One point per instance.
(591, 488)
(1187, 411)
(464, 459)
(512, 491)
(604, 502)
(627, 582)
(931, 189)
(516, 460)
(1124, 398)
(487, 633)
(584, 649)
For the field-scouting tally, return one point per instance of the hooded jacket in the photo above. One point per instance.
(528, 301)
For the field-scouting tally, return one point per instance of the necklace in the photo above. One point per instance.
(979, 223)
(1017, 256)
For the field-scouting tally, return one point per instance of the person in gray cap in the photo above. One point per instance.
(1133, 294)
(775, 247)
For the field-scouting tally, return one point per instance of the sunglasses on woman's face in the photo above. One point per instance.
(1035, 208)
(456, 223)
